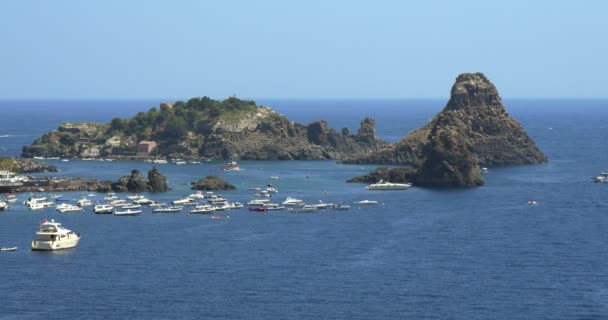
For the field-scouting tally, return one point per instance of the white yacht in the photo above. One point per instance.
(381, 185)
(3, 205)
(323, 205)
(341, 207)
(293, 202)
(103, 209)
(53, 236)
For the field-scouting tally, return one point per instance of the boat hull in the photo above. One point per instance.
(38, 245)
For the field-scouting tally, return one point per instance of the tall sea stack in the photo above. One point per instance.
(473, 129)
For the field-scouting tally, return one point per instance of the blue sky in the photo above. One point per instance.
(299, 49)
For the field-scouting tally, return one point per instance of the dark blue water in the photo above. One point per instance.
(423, 254)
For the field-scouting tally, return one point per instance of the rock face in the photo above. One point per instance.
(205, 128)
(212, 183)
(137, 183)
(397, 175)
(473, 129)
(23, 165)
(156, 181)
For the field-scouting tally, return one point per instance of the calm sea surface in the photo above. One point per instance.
(478, 253)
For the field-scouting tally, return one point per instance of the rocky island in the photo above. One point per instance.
(212, 183)
(473, 130)
(206, 128)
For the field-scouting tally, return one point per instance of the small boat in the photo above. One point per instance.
(255, 188)
(256, 202)
(84, 203)
(293, 202)
(135, 197)
(305, 208)
(171, 209)
(274, 177)
(231, 166)
(103, 209)
(381, 185)
(180, 162)
(204, 209)
(184, 201)
(131, 206)
(340, 207)
(52, 235)
(128, 212)
(366, 202)
(323, 205)
(532, 202)
(143, 200)
(8, 249)
(67, 208)
(198, 195)
(603, 177)
(3, 205)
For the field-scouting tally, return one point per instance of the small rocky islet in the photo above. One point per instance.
(473, 130)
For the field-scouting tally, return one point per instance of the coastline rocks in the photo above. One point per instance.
(396, 175)
(212, 183)
(473, 129)
(136, 182)
(23, 165)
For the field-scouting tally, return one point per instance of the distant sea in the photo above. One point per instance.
(480, 253)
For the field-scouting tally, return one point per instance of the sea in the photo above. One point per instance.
(480, 253)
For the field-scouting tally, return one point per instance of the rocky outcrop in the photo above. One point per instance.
(137, 183)
(212, 183)
(204, 128)
(23, 165)
(473, 129)
(156, 181)
(396, 175)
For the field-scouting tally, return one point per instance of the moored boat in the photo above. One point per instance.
(172, 209)
(8, 249)
(128, 212)
(381, 185)
(103, 209)
(366, 202)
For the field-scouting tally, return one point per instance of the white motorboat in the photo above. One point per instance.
(53, 236)
(603, 177)
(271, 190)
(231, 166)
(118, 203)
(305, 208)
(135, 197)
(131, 206)
(198, 195)
(171, 209)
(103, 209)
(366, 202)
(293, 202)
(8, 249)
(323, 205)
(84, 203)
(257, 202)
(128, 212)
(3, 205)
(340, 207)
(202, 209)
(184, 201)
(381, 185)
(144, 201)
(67, 208)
